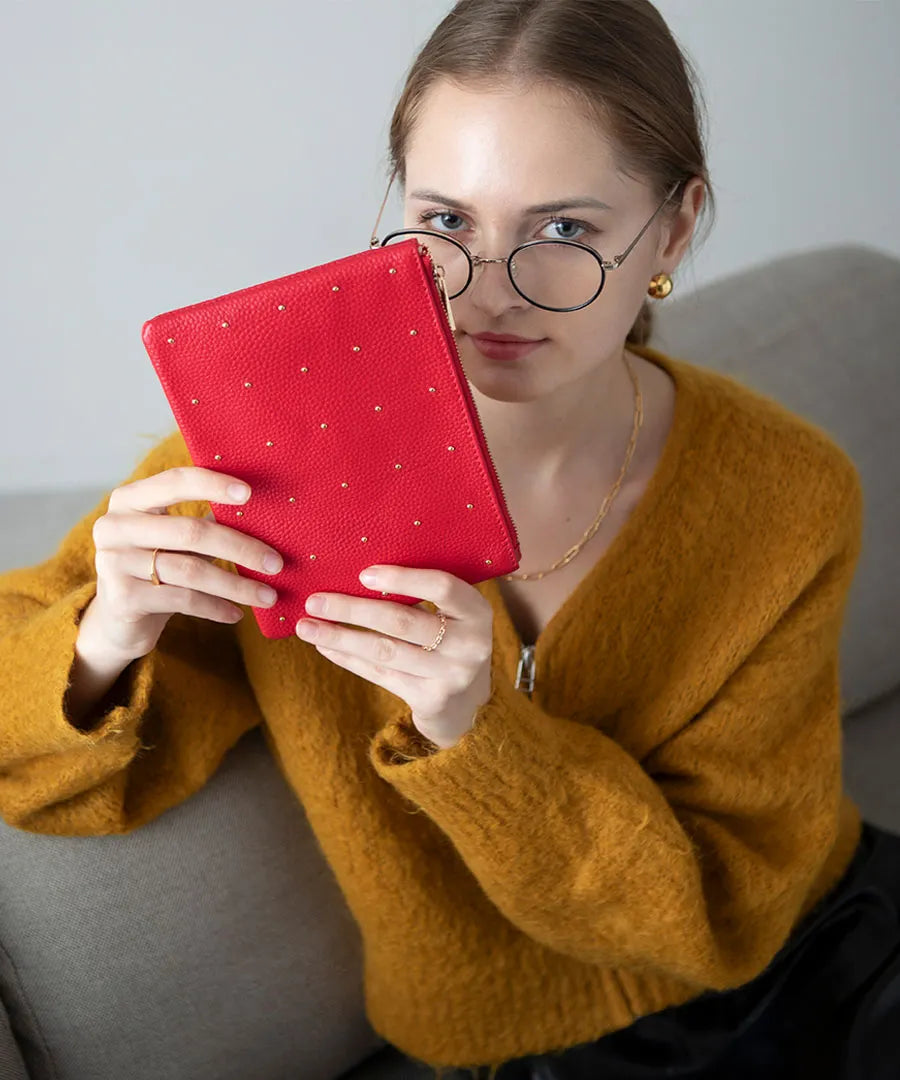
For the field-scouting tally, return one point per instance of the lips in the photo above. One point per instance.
(506, 337)
(505, 350)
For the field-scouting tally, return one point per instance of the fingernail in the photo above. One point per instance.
(368, 577)
(272, 563)
(239, 491)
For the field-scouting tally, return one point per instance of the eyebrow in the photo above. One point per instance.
(572, 203)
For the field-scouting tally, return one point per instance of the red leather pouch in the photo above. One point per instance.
(338, 394)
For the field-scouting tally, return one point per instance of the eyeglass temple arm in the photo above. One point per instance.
(619, 259)
(373, 243)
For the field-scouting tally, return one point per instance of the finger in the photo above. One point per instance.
(455, 597)
(180, 532)
(384, 653)
(413, 624)
(202, 554)
(191, 571)
(409, 687)
(127, 588)
(189, 483)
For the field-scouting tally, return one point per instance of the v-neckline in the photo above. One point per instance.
(634, 530)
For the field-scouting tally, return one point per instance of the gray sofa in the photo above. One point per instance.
(214, 944)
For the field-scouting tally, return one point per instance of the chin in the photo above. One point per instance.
(500, 385)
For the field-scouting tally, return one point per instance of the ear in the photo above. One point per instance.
(677, 233)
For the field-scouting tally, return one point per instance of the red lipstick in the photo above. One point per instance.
(505, 346)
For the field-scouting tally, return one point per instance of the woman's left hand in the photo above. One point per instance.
(444, 687)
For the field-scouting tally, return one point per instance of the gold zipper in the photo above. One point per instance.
(442, 288)
(470, 403)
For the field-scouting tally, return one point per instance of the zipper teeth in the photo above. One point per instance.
(471, 407)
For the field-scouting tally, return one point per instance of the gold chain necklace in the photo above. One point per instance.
(608, 501)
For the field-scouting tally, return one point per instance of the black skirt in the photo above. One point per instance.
(826, 1008)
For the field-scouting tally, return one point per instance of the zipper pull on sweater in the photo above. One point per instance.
(525, 670)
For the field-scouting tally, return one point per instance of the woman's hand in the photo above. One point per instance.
(444, 687)
(129, 612)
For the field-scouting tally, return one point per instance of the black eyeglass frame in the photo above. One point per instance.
(477, 260)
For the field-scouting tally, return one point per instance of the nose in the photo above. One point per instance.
(492, 293)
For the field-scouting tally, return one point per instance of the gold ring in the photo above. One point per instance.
(440, 634)
(154, 577)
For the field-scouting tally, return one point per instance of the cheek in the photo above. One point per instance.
(589, 339)
(617, 307)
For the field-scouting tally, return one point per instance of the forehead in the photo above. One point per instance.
(496, 148)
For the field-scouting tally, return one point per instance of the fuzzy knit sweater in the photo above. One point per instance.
(650, 823)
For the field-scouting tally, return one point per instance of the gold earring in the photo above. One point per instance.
(660, 286)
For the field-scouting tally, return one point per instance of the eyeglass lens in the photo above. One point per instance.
(553, 275)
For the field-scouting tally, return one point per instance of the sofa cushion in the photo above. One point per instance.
(818, 331)
(12, 1067)
(212, 943)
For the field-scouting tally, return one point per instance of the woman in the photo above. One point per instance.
(585, 815)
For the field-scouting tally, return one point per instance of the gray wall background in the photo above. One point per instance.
(157, 154)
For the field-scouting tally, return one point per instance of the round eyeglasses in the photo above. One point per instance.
(556, 275)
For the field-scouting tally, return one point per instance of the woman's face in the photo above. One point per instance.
(498, 153)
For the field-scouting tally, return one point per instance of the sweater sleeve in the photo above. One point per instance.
(695, 862)
(158, 734)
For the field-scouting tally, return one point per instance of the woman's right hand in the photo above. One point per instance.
(128, 613)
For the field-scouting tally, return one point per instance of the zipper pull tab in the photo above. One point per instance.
(442, 289)
(525, 671)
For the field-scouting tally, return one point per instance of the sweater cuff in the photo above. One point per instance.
(400, 746)
(50, 636)
(400, 741)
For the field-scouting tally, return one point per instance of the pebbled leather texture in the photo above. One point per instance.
(341, 419)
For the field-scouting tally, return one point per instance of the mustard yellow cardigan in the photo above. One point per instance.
(651, 823)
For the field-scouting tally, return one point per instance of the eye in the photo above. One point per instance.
(428, 215)
(588, 230)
